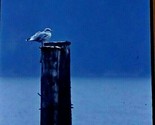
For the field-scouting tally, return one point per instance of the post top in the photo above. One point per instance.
(57, 43)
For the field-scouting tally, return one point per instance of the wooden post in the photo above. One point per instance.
(55, 84)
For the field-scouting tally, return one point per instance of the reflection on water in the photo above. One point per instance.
(96, 101)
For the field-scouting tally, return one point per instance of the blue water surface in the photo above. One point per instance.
(96, 101)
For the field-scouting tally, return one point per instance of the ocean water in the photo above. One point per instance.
(96, 101)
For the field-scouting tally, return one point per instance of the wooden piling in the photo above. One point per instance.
(55, 84)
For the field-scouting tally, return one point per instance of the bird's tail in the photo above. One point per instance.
(28, 39)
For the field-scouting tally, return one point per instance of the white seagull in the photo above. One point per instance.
(41, 36)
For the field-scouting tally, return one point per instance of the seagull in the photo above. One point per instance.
(41, 36)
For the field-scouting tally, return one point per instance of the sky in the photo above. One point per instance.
(108, 38)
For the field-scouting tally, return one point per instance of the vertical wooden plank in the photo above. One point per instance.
(65, 102)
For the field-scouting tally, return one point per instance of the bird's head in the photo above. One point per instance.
(47, 29)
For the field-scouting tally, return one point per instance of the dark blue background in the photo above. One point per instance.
(109, 38)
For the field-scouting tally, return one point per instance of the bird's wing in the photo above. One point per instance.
(37, 36)
(33, 37)
(42, 35)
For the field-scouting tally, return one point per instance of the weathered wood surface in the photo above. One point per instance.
(55, 84)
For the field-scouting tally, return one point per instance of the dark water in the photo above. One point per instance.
(96, 101)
